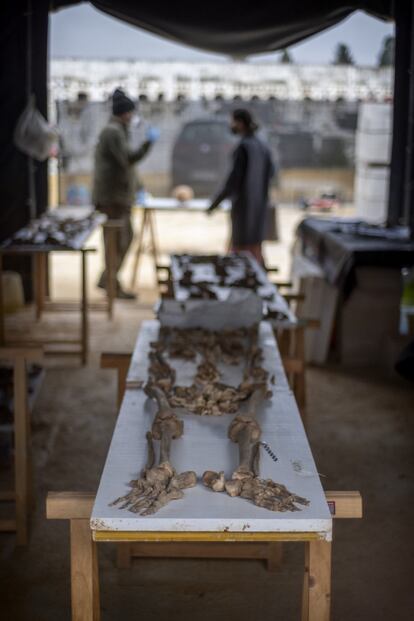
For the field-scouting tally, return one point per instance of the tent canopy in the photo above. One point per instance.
(236, 28)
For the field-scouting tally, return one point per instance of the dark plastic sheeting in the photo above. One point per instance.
(338, 252)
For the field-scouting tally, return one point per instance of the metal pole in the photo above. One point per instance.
(402, 16)
(31, 201)
(409, 167)
(58, 160)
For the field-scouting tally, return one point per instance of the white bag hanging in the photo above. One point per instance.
(33, 135)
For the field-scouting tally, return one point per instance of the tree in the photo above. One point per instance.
(286, 57)
(386, 56)
(343, 55)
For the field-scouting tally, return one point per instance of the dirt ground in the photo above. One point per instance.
(361, 431)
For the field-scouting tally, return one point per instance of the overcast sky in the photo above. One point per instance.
(84, 32)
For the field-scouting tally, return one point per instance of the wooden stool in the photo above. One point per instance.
(77, 507)
(21, 495)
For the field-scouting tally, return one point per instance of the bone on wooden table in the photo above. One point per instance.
(203, 517)
(158, 485)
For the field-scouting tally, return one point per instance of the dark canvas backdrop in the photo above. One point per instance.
(236, 28)
(14, 186)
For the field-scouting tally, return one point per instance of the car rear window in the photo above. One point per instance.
(206, 132)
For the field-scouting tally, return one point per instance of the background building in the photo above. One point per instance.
(194, 80)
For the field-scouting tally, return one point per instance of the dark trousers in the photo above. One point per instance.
(124, 235)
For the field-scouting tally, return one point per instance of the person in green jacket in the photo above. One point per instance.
(115, 180)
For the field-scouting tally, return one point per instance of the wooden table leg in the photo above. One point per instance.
(40, 259)
(316, 596)
(124, 555)
(84, 312)
(48, 277)
(229, 241)
(44, 281)
(300, 378)
(111, 235)
(305, 587)
(139, 247)
(120, 362)
(284, 339)
(36, 283)
(154, 243)
(21, 449)
(275, 556)
(84, 572)
(2, 332)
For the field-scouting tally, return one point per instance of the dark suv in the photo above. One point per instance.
(201, 155)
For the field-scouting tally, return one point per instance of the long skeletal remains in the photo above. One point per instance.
(245, 482)
(158, 485)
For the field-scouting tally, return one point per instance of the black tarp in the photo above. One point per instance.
(236, 28)
(403, 92)
(14, 208)
(14, 187)
(339, 245)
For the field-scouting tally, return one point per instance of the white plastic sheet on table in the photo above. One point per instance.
(241, 308)
(205, 446)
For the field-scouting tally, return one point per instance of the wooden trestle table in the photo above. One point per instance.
(202, 516)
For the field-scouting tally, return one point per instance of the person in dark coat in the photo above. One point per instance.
(247, 186)
(115, 181)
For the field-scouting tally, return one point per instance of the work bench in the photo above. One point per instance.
(203, 519)
(39, 253)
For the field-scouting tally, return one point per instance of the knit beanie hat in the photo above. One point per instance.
(121, 103)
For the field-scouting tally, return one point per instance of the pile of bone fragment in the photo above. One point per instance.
(227, 271)
(51, 230)
(207, 395)
(202, 275)
(159, 483)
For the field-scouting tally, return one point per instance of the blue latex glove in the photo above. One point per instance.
(152, 134)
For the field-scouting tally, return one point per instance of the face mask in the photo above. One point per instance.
(135, 121)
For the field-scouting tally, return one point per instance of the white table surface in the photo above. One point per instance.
(205, 446)
(166, 204)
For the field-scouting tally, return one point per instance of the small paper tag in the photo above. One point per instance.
(332, 507)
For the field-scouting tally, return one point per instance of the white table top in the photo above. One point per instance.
(205, 446)
(172, 204)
